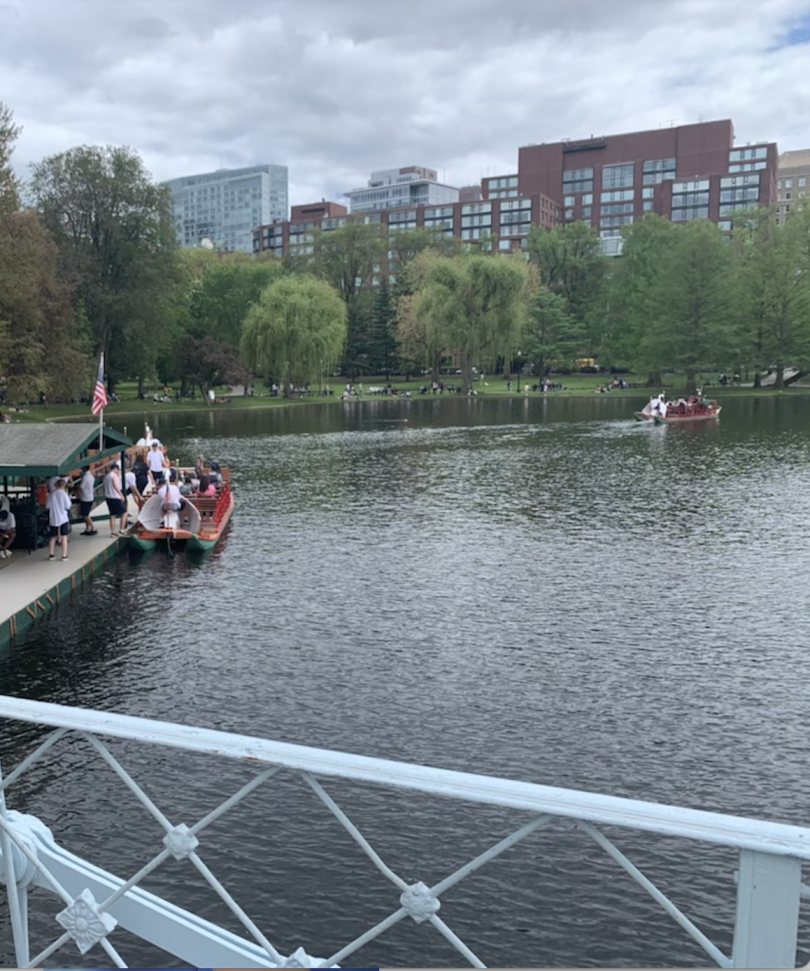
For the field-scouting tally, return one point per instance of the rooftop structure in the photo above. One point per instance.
(393, 188)
(224, 206)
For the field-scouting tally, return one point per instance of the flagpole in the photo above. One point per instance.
(101, 413)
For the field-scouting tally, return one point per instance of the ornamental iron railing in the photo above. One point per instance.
(96, 902)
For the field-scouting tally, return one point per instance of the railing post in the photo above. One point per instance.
(767, 923)
(17, 894)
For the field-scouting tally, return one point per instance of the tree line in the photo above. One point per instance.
(89, 264)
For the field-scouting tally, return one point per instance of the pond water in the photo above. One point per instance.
(540, 590)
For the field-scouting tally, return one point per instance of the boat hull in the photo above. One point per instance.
(197, 535)
(681, 419)
(678, 416)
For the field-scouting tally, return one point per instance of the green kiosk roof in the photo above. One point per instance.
(46, 449)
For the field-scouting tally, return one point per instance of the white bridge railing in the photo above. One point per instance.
(96, 902)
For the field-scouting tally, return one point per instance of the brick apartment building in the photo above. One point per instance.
(681, 173)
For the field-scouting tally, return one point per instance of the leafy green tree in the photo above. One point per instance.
(551, 334)
(631, 301)
(295, 332)
(382, 336)
(569, 262)
(40, 348)
(221, 298)
(411, 326)
(694, 305)
(775, 280)
(9, 183)
(114, 229)
(349, 258)
(475, 306)
(207, 363)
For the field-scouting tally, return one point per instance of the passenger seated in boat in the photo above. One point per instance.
(206, 487)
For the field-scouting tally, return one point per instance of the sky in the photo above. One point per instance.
(334, 89)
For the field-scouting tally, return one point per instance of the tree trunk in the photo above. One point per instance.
(654, 379)
(757, 379)
(780, 375)
(141, 387)
(691, 380)
(466, 373)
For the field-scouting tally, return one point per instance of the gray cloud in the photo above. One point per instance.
(336, 88)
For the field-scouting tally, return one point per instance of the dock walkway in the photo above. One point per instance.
(31, 585)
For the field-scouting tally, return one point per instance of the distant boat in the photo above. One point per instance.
(684, 409)
(198, 526)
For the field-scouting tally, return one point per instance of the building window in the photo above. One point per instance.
(647, 205)
(476, 207)
(569, 213)
(747, 166)
(617, 176)
(695, 185)
(690, 199)
(616, 207)
(623, 195)
(656, 170)
(568, 201)
(578, 180)
(745, 195)
(483, 219)
(517, 204)
(725, 225)
(586, 212)
(438, 212)
(745, 154)
(802, 182)
(696, 212)
(731, 182)
(519, 216)
(607, 221)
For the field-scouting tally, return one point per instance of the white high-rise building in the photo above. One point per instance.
(392, 188)
(225, 206)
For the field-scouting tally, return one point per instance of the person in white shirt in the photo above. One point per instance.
(156, 461)
(8, 530)
(86, 492)
(59, 519)
(116, 502)
(131, 486)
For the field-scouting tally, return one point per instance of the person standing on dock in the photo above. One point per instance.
(116, 502)
(87, 488)
(59, 519)
(8, 530)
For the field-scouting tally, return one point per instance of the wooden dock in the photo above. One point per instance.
(31, 585)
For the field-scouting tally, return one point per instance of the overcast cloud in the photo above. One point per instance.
(336, 88)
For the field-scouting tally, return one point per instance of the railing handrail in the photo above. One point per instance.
(780, 839)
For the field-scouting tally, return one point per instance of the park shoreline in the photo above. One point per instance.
(38, 414)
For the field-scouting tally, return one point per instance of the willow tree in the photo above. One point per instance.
(474, 306)
(295, 332)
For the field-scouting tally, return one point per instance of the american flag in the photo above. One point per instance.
(100, 393)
